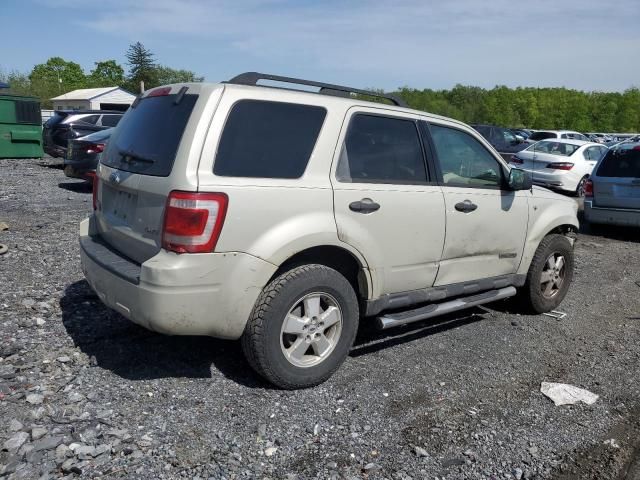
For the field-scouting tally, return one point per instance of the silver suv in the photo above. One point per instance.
(285, 218)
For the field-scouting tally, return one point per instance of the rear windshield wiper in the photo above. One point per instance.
(129, 156)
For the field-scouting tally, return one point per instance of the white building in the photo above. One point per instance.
(108, 98)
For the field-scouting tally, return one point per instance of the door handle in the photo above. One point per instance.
(366, 205)
(466, 206)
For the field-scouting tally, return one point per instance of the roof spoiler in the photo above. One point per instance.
(252, 78)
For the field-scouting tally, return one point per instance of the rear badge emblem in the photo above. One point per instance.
(114, 177)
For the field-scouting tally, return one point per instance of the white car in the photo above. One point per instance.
(286, 218)
(551, 134)
(560, 164)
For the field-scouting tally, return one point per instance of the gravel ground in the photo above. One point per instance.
(84, 392)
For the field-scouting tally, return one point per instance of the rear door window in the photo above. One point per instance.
(381, 149)
(148, 135)
(622, 162)
(268, 139)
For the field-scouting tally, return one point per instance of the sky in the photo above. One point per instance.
(582, 44)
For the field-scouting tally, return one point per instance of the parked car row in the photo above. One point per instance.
(561, 160)
(68, 125)
(79, 137)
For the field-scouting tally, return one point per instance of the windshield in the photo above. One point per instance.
(542, 135)
(554, 148)
(146, 140)
(622, 162)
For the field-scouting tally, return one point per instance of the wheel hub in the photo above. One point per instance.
(311, 329)
(552, 275)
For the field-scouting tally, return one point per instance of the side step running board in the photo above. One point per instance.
(435, 309)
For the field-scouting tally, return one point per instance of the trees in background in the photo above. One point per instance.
(167, 75)
(142, 67)
(537, 108)
(106, 74)
(57, 75)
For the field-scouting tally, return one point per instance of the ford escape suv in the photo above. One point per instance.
(284, 218)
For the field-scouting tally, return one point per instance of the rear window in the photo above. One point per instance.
(148, 135)
(542, 135)
(623, 162)
(268, 139)
(554, 148)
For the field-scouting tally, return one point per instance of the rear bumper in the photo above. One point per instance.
(611, 216)
(553, 181)
(55, 151)
(191, 294)
(556, 181)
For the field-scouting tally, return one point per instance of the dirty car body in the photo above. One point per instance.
(240, 203)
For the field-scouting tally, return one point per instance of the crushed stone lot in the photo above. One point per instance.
(84, 393)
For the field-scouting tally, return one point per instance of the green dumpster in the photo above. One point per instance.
(20, 127)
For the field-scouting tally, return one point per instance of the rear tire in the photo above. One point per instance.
(550, 275)
(302, 327)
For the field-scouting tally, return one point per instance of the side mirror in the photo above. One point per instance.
(519, 179)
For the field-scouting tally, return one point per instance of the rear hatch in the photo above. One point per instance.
(151, 152)
(617, 180)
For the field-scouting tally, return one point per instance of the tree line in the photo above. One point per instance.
(57, 75)
(537, 108)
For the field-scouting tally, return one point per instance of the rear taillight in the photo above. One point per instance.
(516, 160)
(193, 221)
(560, 166)
(96, 148)
(588, 188)
(94, 190)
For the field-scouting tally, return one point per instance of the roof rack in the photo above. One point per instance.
(252, 78)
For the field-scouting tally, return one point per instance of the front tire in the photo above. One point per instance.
(302, 327)
(549, 276)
